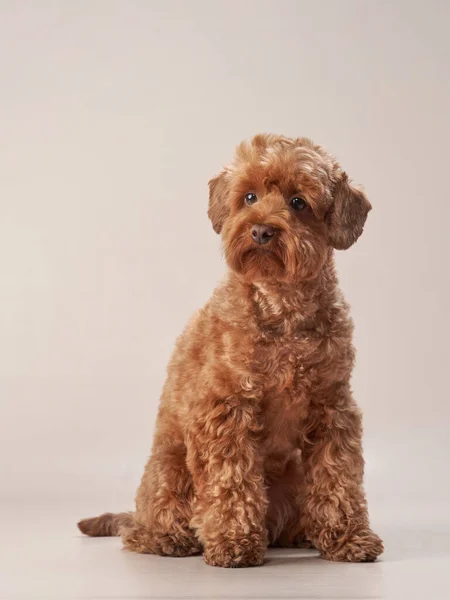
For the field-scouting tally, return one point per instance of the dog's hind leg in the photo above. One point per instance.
(163, 506)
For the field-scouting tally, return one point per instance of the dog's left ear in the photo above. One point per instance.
(347, 215)
(218, 204)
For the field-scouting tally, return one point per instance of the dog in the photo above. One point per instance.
(258, 437)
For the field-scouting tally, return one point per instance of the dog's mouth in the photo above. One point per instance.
(254, 249)
(261, 253)
(258, 261)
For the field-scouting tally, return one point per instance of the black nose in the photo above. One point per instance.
(261, 234)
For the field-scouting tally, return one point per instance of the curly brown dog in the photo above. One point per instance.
(258, 438)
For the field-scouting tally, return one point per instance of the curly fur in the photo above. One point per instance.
(258, 438)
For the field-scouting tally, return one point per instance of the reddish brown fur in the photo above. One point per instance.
(106, 524)
(258, 437)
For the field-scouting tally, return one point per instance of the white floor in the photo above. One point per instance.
(42, 555)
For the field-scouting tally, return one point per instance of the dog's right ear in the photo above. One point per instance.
(218, 201)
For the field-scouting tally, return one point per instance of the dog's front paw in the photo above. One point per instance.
(361, 546)
(235, 553)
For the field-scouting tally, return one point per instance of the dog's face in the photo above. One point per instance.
(281, 206)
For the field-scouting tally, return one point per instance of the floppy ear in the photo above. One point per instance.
(218, 205)
(347, 214)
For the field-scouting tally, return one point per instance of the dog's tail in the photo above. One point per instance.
(105, 525)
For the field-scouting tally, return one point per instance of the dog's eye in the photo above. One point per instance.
(298, 203)
(250, 198)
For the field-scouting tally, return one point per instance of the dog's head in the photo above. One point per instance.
(281, 206)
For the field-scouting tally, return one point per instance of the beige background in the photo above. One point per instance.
(114, 115)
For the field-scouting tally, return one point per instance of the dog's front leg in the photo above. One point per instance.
(230, 498)
(335, 513)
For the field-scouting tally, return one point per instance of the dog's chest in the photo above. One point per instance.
(288, 370)
(287, 364)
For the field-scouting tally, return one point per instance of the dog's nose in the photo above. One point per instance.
(261, 234)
